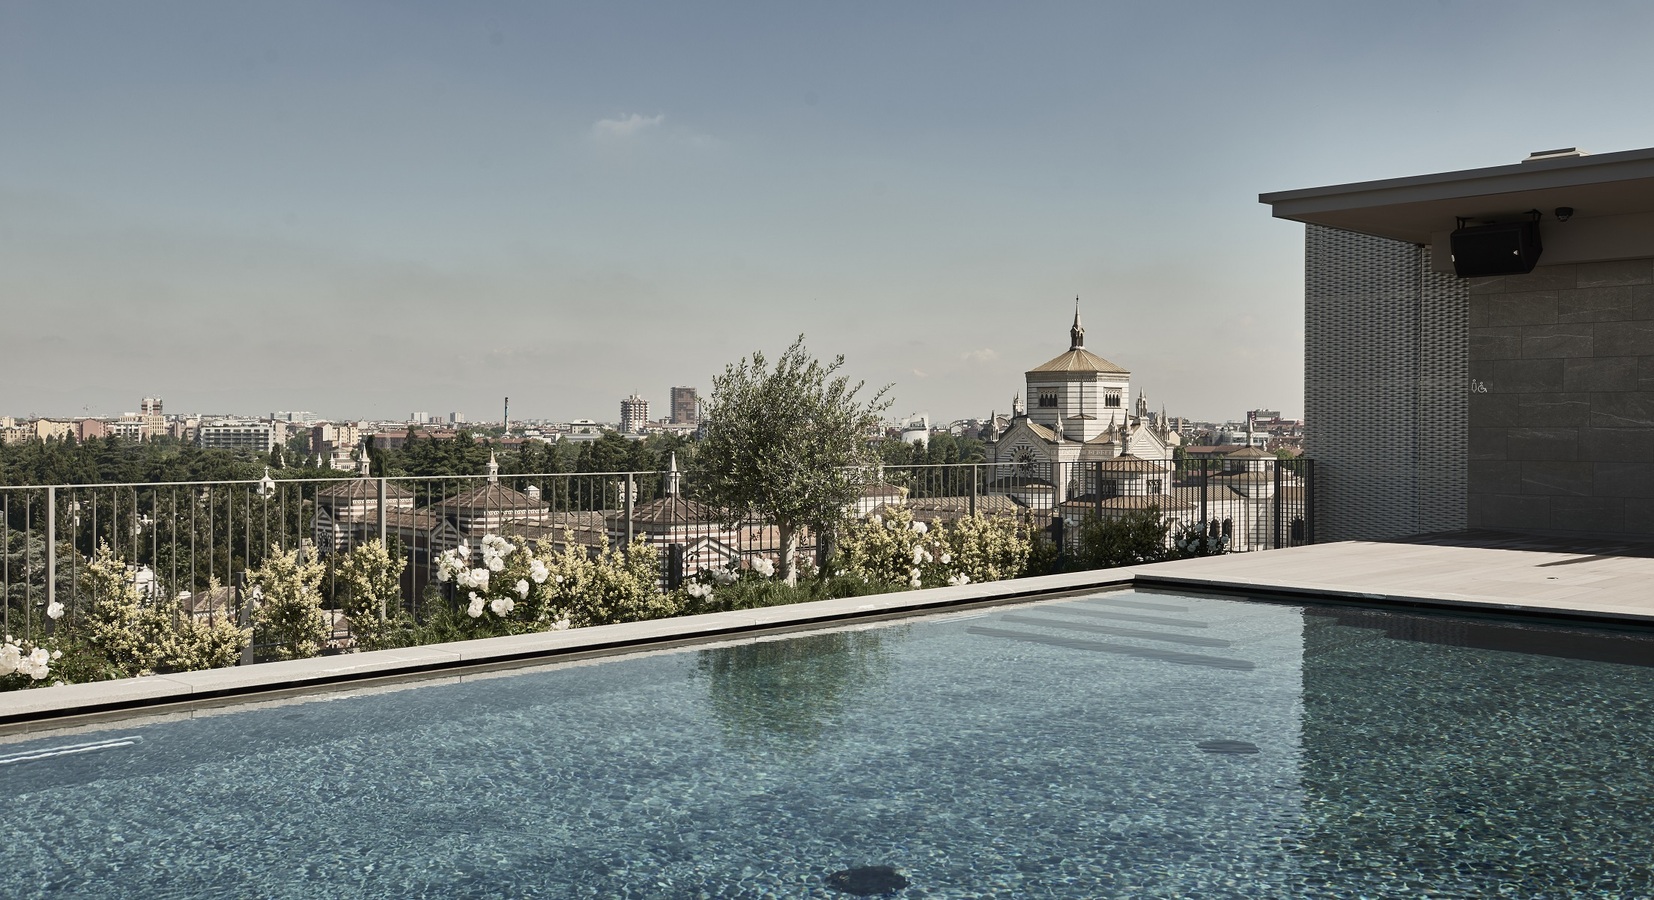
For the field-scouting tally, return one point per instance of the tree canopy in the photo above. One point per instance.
(789, 443)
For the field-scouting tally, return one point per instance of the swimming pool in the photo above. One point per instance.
(1121, 745)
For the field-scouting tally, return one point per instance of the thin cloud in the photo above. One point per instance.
(625, 127)
(984, 355)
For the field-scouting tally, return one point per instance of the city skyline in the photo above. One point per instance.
(368, 210)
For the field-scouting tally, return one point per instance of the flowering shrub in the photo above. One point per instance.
(514, 590)
(24, 663)
(895, 550)
(287, 602)
(1194, 540)
(753, 579)
(135, 637)
(988, 548)
(520, 589)
(372, 594)
(613, 585)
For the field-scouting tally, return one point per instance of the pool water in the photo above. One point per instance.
(1122, 745)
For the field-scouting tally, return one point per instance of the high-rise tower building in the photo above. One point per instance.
(155, 424)
(686, 406)
(634, 413)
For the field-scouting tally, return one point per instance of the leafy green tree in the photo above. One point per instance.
(788, 443)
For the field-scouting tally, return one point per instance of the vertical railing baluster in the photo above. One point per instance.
(51, 552)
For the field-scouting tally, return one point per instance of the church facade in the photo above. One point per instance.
(1077, 416)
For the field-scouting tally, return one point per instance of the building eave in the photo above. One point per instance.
(1416, 208)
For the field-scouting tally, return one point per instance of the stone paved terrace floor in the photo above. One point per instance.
(1574, 579)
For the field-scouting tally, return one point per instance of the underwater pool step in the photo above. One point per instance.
(1113, 631)
(1129, 617)
(1139, 604)
(1171, 656)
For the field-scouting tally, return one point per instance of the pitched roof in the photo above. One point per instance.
(361, 489)
(1079, 360)
(672, 510)
(489, 497)
(1125, 462)
(1251, 453)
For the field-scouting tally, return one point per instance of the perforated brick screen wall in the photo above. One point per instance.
(1385, 384)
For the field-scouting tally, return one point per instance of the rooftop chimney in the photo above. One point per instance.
(1560, 153)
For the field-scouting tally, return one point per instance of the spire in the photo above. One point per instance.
(1076, 334)
(1125, 438)
(363, 463)
(493, 468)
(672, 475)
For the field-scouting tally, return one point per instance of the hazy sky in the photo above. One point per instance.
(367, 209)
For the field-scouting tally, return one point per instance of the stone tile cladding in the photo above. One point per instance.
(1562, 439)
(1385, 383)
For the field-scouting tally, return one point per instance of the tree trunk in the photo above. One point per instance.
(789, 550)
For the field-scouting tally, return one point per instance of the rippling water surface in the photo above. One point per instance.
(1123, 745)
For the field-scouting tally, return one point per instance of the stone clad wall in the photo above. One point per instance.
(1562, 399)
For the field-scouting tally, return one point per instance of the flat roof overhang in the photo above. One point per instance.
(1416, 208)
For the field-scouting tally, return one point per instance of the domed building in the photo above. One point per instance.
(1077, 414)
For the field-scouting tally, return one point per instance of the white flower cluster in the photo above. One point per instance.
(54, 610)
(494, 551)
(724, 576)
(1195, 541)
(502, 606)
(698, 589)
(764, 566)
(455, 565)
(35, 662)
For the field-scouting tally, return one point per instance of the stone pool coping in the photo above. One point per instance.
(71, 704)
(1553, 586)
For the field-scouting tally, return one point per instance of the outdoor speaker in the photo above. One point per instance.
(1507, 248)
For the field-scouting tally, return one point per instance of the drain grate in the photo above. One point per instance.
(1230, 747)
(867, 881)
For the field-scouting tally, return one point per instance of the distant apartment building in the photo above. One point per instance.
(240, 434)
(686, 406)
(332, 443)
(1478, 346)
(456, 418)
(128, 428)
(155, 422)
(86, 429)
(50, 430)
(634, 414)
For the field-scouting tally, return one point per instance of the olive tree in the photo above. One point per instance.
(788, 443)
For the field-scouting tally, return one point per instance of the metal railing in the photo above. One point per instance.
(191, 543)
